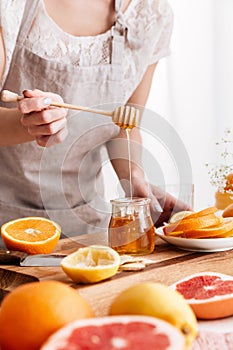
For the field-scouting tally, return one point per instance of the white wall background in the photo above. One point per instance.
(193, 87)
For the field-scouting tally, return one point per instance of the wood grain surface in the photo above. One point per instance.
(171, 264)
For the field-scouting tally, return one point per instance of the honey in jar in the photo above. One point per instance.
(131, 229)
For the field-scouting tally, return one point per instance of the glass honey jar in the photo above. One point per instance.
(131, 229)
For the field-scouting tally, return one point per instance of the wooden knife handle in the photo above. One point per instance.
(8, 257)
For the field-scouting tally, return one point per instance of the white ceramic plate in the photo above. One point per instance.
(206, 245)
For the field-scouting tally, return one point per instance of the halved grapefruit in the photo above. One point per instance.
(210, 294)
(117, 332)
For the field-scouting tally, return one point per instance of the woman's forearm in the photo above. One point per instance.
(11, 129)
(119, 154)
(118, 148)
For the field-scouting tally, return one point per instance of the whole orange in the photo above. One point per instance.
(229, 182)
(33, 311)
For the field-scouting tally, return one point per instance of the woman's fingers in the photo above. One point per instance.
(45, 116)
(47, 129)
(155, 205)
(36, 100)
(33, 104)
(39, 93)
(47, 124)
(170, 204)
(47, 141)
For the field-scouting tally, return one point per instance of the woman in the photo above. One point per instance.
(90, 53)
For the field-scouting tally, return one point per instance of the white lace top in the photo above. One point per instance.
(149, 24)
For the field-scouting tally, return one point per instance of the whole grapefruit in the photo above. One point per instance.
(33, 311)
(115, 333)
(210, 294)
(157, 300)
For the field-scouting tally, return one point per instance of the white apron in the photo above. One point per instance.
(63, 182)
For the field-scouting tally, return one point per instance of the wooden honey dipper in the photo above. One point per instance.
(126, 117)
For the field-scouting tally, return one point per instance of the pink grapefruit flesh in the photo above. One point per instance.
(117, 332)
(210, 294)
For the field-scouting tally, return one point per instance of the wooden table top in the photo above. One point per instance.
(171, 264)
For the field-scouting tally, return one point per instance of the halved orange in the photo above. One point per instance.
(32, 235)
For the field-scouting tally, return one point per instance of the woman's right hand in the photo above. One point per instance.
(48, 125)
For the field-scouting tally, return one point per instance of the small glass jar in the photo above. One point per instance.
(131, 229)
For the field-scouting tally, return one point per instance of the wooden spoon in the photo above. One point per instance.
(126, 117)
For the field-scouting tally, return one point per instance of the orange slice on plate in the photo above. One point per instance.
(225, 229)
(180, 216)
(203, 212)
(191, 214)
(188, 223)
(32, 235)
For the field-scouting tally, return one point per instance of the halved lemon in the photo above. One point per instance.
(180, 215)
(91, 264)
(32, 235)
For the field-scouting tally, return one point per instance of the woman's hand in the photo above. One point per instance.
(48, 125)
(162, 205)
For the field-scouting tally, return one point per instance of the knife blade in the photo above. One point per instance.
(8, 257)
(42, 260)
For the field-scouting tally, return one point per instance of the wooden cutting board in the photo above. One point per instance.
(170, 265)
(67, 246)
(9, 280)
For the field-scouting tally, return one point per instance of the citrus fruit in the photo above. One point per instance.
(32, 235)
(91, 264)
(189, 223)
(115, 333)
(203, 212)
(210, 294)
(229, 182)
(33, 311)
(157, 300)
(203, 224)
(224, 229)
(223, 199)
(179, 216)
(228, 211)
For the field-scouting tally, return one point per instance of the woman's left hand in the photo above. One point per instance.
(162, 205)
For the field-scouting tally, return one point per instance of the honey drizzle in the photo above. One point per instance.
(129, 159)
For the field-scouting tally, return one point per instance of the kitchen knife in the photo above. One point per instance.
(8, 257)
